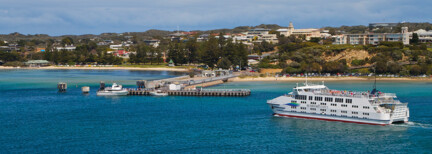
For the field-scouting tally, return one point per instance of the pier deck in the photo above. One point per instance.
(204, 92)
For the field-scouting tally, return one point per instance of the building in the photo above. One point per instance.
(259, 35)
(372, 38)
(37, 63)
(423, 35)
(153, 42)
(308, 33)
(66, 47)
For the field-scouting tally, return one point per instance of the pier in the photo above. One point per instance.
(197, 92)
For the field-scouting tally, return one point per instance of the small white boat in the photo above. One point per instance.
(158, 93)
(115, 90)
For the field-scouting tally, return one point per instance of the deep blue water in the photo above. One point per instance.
(34, 118)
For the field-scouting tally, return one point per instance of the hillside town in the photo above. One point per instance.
(392, 48)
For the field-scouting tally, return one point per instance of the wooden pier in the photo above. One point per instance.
(204, 92)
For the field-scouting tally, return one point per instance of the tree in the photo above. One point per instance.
(67, 41)
(415, 70)
(415, 39)
(224, 63)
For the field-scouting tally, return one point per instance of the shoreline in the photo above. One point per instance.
(249, 79)
(97, 68)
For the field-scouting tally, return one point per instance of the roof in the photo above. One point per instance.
(37, 62)
(312, 87)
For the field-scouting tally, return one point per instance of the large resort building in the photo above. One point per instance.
(308, 33)
(373, 38)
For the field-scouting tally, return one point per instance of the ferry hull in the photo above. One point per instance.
(332, 118)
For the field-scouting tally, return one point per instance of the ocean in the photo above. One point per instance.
(35, 118)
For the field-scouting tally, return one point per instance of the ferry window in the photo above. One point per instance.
(365, 107)
(354, 116)
(323, 104)
(343, 115)
(293, 107)
(343, 111)
(300, 97)
(303, 108)
(310, 97)
(354, 106)
(313, 109)
(339, 100)
(365, 113)
(344, 105)
(348, 101)
(313, 102)
(318, 98)
(322, 109)
(332, 110)
(328, 99)
(333, 104)
(303, 102)
(293, 101)
(333, 114)
(354, 112)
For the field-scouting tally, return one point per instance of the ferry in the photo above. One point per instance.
(115, 90)
(316, 101)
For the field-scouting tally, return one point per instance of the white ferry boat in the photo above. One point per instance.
(115, 90)
(318, 102)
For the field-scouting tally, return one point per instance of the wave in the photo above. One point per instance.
(414, 125)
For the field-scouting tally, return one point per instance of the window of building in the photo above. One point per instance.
(354, 112)
(344, 105)
(354, 106)
(343, 111)
(365, 113)
(322, 109)
(332, 110)
(332, 104)
(318, 98)
(313, 109)
(328, 99)
(310, 98)
(339, 100)
(365, 107)
(348, 101)
(323, 103)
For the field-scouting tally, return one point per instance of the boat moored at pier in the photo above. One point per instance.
(319, 102)
(114, 90)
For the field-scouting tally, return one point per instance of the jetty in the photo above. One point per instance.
(196, 92)
(187, 86)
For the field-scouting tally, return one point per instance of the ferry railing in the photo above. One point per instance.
(348, 94)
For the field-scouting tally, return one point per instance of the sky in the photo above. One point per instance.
(61, 17)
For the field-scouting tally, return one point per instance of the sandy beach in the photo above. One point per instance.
(101, 68)
(248, 79)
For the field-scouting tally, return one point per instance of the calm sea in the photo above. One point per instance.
(34, 118)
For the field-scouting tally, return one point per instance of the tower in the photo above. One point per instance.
(405, 35)
(290, 28)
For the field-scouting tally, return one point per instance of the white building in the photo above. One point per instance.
(259, 35)
(424, 36)
(308, 33)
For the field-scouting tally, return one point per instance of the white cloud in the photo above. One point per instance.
(96, 16)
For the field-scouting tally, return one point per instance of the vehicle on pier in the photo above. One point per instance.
(158, 93)
(114, 90)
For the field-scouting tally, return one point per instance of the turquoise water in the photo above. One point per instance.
(35, 118)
